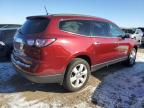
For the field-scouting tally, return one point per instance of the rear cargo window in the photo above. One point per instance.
(36, 25)
(76, 26)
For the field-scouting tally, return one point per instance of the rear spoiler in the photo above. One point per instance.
(37, 17)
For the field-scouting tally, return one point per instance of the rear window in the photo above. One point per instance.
(76, 26)
(36, 25)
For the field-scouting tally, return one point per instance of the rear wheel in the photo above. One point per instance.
(77, 75)
(132, 57)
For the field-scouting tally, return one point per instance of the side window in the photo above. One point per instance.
(138, 31)
(76, 26)
(115, 31)
(100, 29)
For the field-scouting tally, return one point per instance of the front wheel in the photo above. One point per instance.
(131, 58)
(77, 75)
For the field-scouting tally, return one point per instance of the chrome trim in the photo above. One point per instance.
(75, 33)
(19, 63)
(82, 34)
(101, 65)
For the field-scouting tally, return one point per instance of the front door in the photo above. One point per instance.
(123, 43)
(105, 46)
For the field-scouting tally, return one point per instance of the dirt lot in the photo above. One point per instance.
(114, 87)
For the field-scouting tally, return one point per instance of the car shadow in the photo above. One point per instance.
(105, 71)
(26, 85)
(120, 86)
(12, 82)
(18, 83)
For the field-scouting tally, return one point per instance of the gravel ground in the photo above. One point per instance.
(114, 87)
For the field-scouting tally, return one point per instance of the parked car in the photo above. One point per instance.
(142, 29)
(135, 33)
(129, 30)
(66, 48)
(7, 32)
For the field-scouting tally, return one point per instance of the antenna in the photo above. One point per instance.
(46, 10)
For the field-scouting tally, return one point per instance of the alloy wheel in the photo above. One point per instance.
(78, 75)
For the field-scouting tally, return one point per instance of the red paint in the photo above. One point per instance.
(54, 58)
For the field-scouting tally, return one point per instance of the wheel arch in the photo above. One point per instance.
(82, 56)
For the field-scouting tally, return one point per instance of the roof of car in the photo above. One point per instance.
(72, 16)
(9, 26)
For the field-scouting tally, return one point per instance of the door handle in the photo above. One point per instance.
(97, 43)
(116, 42)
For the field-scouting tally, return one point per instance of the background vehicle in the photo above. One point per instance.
(66, 48)
(7, 32)
(142, 29)
(135, 33)
(129, 30)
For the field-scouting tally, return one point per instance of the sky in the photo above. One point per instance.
(125, 13)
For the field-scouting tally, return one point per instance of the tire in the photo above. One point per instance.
(77, 75)
(131, 58)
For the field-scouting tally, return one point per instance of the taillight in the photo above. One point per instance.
(41, 42)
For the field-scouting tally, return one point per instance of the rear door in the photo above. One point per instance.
(105, 46)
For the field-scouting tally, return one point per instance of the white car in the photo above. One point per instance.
(137, 35)
(142, 41)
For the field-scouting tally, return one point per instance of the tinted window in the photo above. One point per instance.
(142, 29)
(138, 31)
(35, 25)
(130, 31)
(115, 31)
(76, 26)
(100, 29)
(7, 36)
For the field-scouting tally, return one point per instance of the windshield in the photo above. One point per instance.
(36, 25)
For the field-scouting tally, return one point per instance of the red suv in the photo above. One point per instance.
(66, 48)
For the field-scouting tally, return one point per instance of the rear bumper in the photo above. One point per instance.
(57, 78)
(41, 79)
